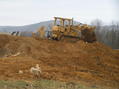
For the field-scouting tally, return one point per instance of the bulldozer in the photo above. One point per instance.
(65, 28)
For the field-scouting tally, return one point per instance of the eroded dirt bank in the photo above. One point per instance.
(92, 63)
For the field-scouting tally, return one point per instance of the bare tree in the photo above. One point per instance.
(98, 23)
(107, 34)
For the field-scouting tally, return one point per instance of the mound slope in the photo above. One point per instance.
(59, 60)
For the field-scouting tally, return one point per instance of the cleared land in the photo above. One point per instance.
(89, 63)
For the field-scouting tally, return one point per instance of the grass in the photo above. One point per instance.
(12, 84)
(43, 84)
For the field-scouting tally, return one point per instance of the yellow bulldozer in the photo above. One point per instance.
(64, 28)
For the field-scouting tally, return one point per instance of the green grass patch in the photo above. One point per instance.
(43, 84)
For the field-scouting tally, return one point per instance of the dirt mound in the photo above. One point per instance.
(59, 60)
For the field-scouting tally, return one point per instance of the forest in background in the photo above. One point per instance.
(107, 34)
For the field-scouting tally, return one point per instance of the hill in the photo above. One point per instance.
(92, 63)
(29, 28)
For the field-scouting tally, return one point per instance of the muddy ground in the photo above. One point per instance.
(90, 63)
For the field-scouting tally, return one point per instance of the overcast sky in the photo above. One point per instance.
(23, 12)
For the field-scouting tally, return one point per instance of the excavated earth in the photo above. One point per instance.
(92, 63)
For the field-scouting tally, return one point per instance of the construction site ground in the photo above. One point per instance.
(65, 61)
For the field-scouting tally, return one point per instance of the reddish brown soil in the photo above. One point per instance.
(93, 63)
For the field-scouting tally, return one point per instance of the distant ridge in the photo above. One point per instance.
(30, 28)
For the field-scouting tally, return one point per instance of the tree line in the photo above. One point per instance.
(107, 34)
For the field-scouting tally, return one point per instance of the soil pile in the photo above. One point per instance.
(59, 60)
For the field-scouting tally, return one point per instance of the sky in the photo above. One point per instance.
(24, 12)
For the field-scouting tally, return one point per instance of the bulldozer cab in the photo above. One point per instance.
(63, 21)
(61, 25)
